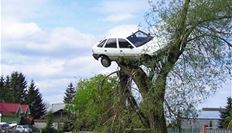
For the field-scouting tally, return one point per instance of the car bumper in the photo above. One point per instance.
(96, 56)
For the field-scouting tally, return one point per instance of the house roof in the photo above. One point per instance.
(57, 107)
(24, 107)
(12, 108)
(210, 113)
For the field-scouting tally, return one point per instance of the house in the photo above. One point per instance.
(207, 117)
(59, 116)
(58, 112)
(12, 112)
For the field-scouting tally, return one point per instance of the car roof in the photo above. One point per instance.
(124, 35)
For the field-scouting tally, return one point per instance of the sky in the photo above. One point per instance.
(50, 41)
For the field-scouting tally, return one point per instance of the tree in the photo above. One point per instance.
(1, 88)
(194, 58)
(18, 86)
(226, 115)
(35, 102)
(229, 119)
(97, 105)
(69, 94)
(49, 125)
(8, 90)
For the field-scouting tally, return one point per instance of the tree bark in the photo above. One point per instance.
(153, 98)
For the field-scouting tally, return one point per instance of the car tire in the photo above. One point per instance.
(105, 61)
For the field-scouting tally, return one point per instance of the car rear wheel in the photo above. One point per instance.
(105, 61)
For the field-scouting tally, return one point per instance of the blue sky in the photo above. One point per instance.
(50, 41)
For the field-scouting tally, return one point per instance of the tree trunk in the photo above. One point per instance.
(153, 98)
(157, 117)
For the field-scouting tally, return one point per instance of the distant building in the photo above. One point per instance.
(58, 112)
(11, 112)
(59, 115)
(209, 117)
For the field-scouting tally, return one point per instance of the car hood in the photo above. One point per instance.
(151, 46)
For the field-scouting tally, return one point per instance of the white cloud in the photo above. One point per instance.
(32, 37)
(38, 68)
(17, 9)
(119, 17)
(17, 30)
(122, 6)
(122, 30)
(119, 11)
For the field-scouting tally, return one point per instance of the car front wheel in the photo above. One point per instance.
(105, 61)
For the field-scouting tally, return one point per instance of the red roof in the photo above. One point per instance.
(12, 108)
(24, 107)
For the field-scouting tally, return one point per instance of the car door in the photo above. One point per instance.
(20, 128)
(111, 48)
(126, 49)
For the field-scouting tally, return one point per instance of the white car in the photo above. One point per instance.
(131, 47)
(23, 129)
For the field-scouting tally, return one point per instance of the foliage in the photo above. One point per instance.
(194, 37)
(49, 127)
(24, 121)
(13, 88)
(69, 94)
(68, 125)
(8, 92)
(18, 84)
(205, 57)
(229, 120)
(35, 102)
(226, 115)
(230, 124)
(96, 106)
(1, 88)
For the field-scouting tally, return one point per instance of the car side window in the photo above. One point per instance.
(124, 43)
(111, 43)
(101, 43)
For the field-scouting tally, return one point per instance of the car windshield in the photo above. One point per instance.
(139, 38)
(5, 125)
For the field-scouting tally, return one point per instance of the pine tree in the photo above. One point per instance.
(18, 84)
(225, 113)
(2, 89)
(69, 94)
(8, 90)
(35, 102)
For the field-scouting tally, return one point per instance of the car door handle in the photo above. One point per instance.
(105, 50)
(121, 51)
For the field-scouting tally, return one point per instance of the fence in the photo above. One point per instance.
(218, 131)
(171, 130)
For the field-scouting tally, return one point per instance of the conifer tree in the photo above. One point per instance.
(69, 94)
(35, 102)
(225, 113)
(1, 88)
(18, 84)
(8, 90)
